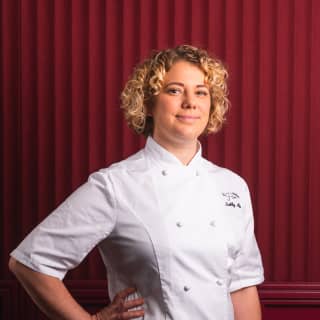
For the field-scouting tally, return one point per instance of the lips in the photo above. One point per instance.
(187, 117)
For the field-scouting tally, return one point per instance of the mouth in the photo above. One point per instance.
(187, 118)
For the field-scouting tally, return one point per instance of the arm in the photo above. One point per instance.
(48, 293)
(246, 304)
(53, 298)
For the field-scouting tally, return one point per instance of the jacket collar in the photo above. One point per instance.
(163, 156)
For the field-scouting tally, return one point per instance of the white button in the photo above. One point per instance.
(164, 172)
(179, 224)
(235, 254)
(186, 288)
(219, 282)
(197, 173)
(212, 223)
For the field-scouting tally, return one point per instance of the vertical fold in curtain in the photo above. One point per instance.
(9, 129)
(313, 174)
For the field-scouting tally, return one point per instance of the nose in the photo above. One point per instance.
(188, 103)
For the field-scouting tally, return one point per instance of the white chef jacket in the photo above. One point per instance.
(183, 235)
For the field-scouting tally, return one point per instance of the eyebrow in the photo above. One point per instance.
(182, 85)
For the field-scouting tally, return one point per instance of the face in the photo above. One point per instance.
(181, 109)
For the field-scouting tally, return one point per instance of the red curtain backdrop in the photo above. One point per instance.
(64, 63)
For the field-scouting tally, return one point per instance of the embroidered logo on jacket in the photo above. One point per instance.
(231, 199)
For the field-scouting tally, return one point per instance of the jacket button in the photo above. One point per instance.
(212, 223)
(219, 282)
(186, 288)
(179, 224)
(197, 173)
(164, 172)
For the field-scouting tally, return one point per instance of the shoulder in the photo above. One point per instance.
(135, 162)
(222, 173)
(108, 180)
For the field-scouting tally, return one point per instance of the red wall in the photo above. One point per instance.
(63, 64)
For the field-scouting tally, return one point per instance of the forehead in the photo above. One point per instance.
(184, 71)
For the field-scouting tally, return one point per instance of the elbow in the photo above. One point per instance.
(16, 268)
(13, 265)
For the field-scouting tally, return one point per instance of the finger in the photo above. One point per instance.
(124, 293)
(133, 303)
(131, 314)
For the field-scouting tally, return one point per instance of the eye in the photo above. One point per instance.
(174, 91)
(202, 93)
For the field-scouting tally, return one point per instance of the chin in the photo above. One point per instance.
(188, 137)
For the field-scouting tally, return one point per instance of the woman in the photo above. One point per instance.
(174, 230)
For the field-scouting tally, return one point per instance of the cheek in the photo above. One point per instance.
(206, 109)
(163, 105)
(206, 115)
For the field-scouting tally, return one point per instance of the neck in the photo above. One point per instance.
(184, 151)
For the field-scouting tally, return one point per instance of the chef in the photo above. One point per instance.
(175, 231)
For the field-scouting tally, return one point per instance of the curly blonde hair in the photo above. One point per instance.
(146, 82)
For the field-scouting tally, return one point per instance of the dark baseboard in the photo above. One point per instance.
(279, 299)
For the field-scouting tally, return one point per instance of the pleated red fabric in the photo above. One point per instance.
(64, 63)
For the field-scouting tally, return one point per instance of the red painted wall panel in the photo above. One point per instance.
(63, 64)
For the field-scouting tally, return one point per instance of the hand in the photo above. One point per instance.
(119, 308)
